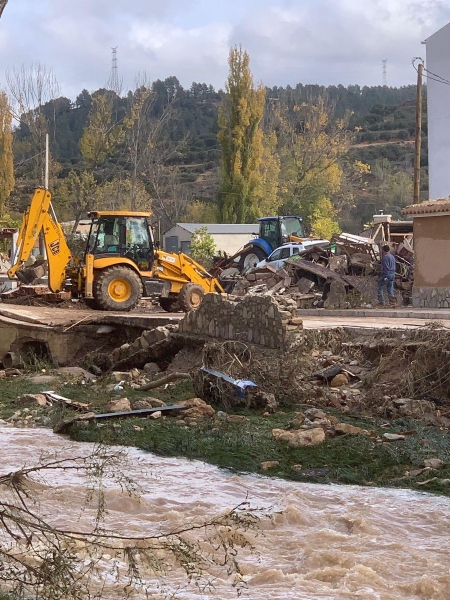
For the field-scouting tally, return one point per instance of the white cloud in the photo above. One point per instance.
(289, 41)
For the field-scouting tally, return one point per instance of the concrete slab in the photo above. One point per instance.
(405, 312)
(60, 317)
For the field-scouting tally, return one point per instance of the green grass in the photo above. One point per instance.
(241, 447)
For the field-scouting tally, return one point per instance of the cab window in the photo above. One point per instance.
(285, 253)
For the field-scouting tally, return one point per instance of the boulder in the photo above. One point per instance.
(314, 414)
(269, 464)
(140, 405)
(151, 368)
(339, 380)
(121, 405)
(31, 400)
(343, 428)
(155, 402)
(308, 437)
(297, 421)
(433, 463)
(135, 374)
(156, 415)
(392, 437)
(76, 371)
(236, 418)
(121, 376)
(197, 408)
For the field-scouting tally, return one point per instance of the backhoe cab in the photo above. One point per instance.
(120, 263)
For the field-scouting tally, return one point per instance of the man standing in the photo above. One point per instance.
(387, 276)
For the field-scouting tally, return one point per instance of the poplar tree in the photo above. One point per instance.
(241, 139)
(6, 152)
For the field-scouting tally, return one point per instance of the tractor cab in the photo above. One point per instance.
(277, 231)
(118, 234)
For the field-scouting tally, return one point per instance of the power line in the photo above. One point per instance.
(430, 75)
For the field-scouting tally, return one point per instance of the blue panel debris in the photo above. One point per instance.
(240, 384)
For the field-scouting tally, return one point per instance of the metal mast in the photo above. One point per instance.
(384, 62)
(114, 83)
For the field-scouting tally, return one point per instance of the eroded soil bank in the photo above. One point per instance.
(338, 406)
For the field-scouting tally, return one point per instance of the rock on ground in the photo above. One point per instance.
(197, 408)
(121, 405)
(308, 437)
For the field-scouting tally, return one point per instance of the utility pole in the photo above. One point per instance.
(416, 198)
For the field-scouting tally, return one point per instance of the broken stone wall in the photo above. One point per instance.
(255, 319)
(431, 297)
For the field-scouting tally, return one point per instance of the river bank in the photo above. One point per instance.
(243, 441)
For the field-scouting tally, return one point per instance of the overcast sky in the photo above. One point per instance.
(289, 41)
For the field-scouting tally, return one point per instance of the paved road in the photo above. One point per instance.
(60, 317)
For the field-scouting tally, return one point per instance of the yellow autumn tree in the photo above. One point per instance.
(102, 134)
(311, 144)
(267, 193)
(241, 139)
(6, 152)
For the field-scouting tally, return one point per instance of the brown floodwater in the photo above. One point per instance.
(322, 541)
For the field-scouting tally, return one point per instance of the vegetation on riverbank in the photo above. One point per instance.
(243, 445)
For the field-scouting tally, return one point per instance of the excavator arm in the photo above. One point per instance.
(38, 218)
(180, 269)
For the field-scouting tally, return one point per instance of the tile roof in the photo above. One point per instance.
(429, 207)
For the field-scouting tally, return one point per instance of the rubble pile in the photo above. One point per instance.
(321, 279)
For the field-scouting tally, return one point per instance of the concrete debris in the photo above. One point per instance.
(319, 278)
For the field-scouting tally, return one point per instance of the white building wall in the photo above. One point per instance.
(438, 94)
(230, 242)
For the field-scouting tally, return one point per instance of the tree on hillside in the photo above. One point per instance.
(76, 192)
(6, 152)
(102, 133)
(121, 193)
(311, 145)
(240, 137)
(31, 88)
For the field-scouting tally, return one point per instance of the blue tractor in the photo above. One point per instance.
(273, 232)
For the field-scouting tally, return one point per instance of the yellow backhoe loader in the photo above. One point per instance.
(120, 262)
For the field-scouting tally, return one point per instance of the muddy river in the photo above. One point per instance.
(327, 542)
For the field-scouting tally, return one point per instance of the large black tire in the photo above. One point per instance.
(117, 288)
(190, 296)
(169, 304)
(91, 303)
(250, 257)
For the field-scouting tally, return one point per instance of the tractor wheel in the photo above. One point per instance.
(169, 304)
(117, 288)
(91, 303)
(250, 258)
(190, 296)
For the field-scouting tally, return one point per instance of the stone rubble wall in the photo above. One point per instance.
(258, 320)
(431, 297)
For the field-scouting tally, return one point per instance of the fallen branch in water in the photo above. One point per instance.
(162, 381)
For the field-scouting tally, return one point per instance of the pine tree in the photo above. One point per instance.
(6, 152)
(241, 139)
